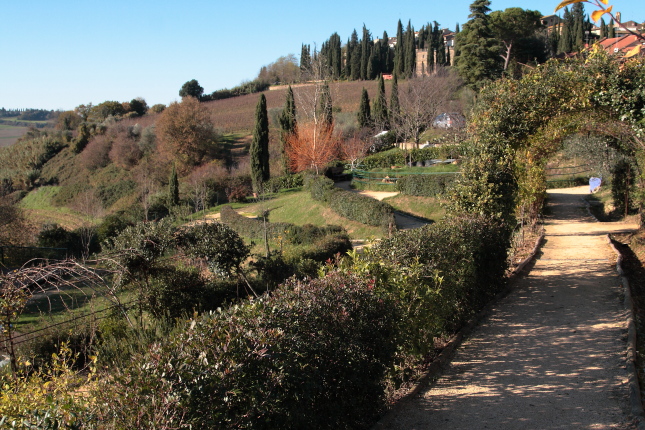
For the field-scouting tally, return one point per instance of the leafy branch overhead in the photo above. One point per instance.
(605, 9)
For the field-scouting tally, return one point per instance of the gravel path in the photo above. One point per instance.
(551, 354)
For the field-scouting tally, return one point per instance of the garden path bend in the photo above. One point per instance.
(551, 354)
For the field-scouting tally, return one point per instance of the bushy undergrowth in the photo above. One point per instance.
(311, 355)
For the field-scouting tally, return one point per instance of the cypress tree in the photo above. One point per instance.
(612, 30)
(399, 51)
(565, 45)
(305, 60)
(379, 111)
(603, 29)
(287, 127)
(173, 188)
(364, 115)
(356, 57)
(260, 146)
(410, 51)
(387, 55)
(366, 52)
(347, 70)
(578, 35)
(440, 45)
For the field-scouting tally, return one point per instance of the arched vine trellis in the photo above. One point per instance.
(518, 124)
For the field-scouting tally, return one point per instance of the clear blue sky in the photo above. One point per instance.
(59, 54)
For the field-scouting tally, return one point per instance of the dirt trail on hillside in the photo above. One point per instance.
(551, 355)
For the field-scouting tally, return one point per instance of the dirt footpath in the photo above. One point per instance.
(551, 355)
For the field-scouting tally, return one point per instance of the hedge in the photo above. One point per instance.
(425, 185)
(363, 209)
(400, 157)
(354, 206)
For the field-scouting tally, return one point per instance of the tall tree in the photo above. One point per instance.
(399, 51)
(287, 127)
(366, 51)
(410, 51)
(355, 66)
(260, 146)
(387, 55)
(364, 115)
(516, 29)
(380, 116)
(478, 61)
(566, 41)
(439, 45)
(305, 61)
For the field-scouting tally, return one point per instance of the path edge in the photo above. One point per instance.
(630, 358)
(438, 364)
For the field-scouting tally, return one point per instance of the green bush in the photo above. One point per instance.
(363, 209)
(309, 233)
(320, 187)
(110, 193)
(311, 355)
(278, 183)
(425, 185)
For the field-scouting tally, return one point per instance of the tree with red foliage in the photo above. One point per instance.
(312, 148)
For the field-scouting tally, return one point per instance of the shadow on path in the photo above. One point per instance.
(551, 354)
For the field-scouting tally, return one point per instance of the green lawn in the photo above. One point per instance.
(424, 207)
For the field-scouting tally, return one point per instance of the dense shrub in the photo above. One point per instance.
(425, 185)
(364, 209)
(309, 233)
(320, 187)
(311, 355)
(463, 259)
(278, 183)
(111, 192)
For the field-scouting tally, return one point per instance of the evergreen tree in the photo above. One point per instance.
(387, 55)
(455, 45)
(287, 127)
(448, 63)
(439, 45)
(373, 68)
(612, 30)
(410, 51)
(379, 110)
(604, 32)
(553, 42)
(347, 70)
(305, 61)
(173, 188)
(364, 115)
(356, 57)
(399, 51)
(565, 43)
(366, 52)
(578, 35)
(478, 60)
(260, 146)
(325, 109)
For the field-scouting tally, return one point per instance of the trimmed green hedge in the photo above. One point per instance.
(425, 185)
(363, 209)
(400, 157)
(351, 205)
